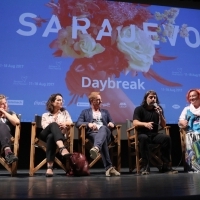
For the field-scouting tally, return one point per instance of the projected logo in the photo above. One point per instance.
(105, 105)
(39, 103)
(22, 81)
(15, 102)
(122, 105)
(176, 106)
(177, 72)
(57, 66)
(83, 104)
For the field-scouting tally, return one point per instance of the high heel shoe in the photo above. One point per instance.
(67, 155)
(47, 174)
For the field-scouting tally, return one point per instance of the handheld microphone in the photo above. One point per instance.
(156, 106)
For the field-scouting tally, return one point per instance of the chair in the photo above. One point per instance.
(12, 168)
(37, 143)
(133, 149)
(183, 146)
(114, 146)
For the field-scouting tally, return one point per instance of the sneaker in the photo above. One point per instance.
(112, 172)
(146, 170)
(10, 158)
(94, 152)
(172, 171)
(169, 170)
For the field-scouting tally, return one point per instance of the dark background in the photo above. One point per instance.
(25, 141)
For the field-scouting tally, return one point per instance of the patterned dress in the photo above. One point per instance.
(192, 154)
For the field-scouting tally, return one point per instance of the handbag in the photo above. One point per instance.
(78, 165)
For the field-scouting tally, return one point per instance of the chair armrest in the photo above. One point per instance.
(72, 124)
(17, 132)
(183, 130)
(164, 128)
(130, 129)
(81, 126)
(70, 129)
(132, 133)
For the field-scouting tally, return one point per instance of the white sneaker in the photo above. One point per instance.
(112, 172)
(94, 152)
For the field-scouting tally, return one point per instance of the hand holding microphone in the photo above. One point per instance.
(157, 108)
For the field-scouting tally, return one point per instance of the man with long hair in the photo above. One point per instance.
(147, 118)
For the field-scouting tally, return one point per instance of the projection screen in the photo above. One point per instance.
(74, 47)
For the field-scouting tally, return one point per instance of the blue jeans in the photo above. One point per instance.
(101, 139)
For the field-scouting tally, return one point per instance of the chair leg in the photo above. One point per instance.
(60, 164)
(32, 150)
(8, 167)
(129, 156)
(137, 154)
(183, 148)
(71, 148)
(119, 151)
(82, 140)
(94, 161)
(16, 149)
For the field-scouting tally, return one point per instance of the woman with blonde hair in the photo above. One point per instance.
(8, 121)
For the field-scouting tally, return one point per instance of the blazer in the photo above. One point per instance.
(86, 118)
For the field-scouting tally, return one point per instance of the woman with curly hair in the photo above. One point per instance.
(55, 124)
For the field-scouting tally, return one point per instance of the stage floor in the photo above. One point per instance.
(97, 186)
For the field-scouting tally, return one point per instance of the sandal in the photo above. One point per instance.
(47, 174)
(67, 155)
(94, 152)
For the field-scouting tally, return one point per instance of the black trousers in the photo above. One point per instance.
(101, 139)
(5, 136)
(51, 134)
(155, 138)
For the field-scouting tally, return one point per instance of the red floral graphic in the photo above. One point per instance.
(110, 56)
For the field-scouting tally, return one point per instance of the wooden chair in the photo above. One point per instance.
(114, 146)
(12, 168)
(133, 149)
(37, 143)
(183, 146)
